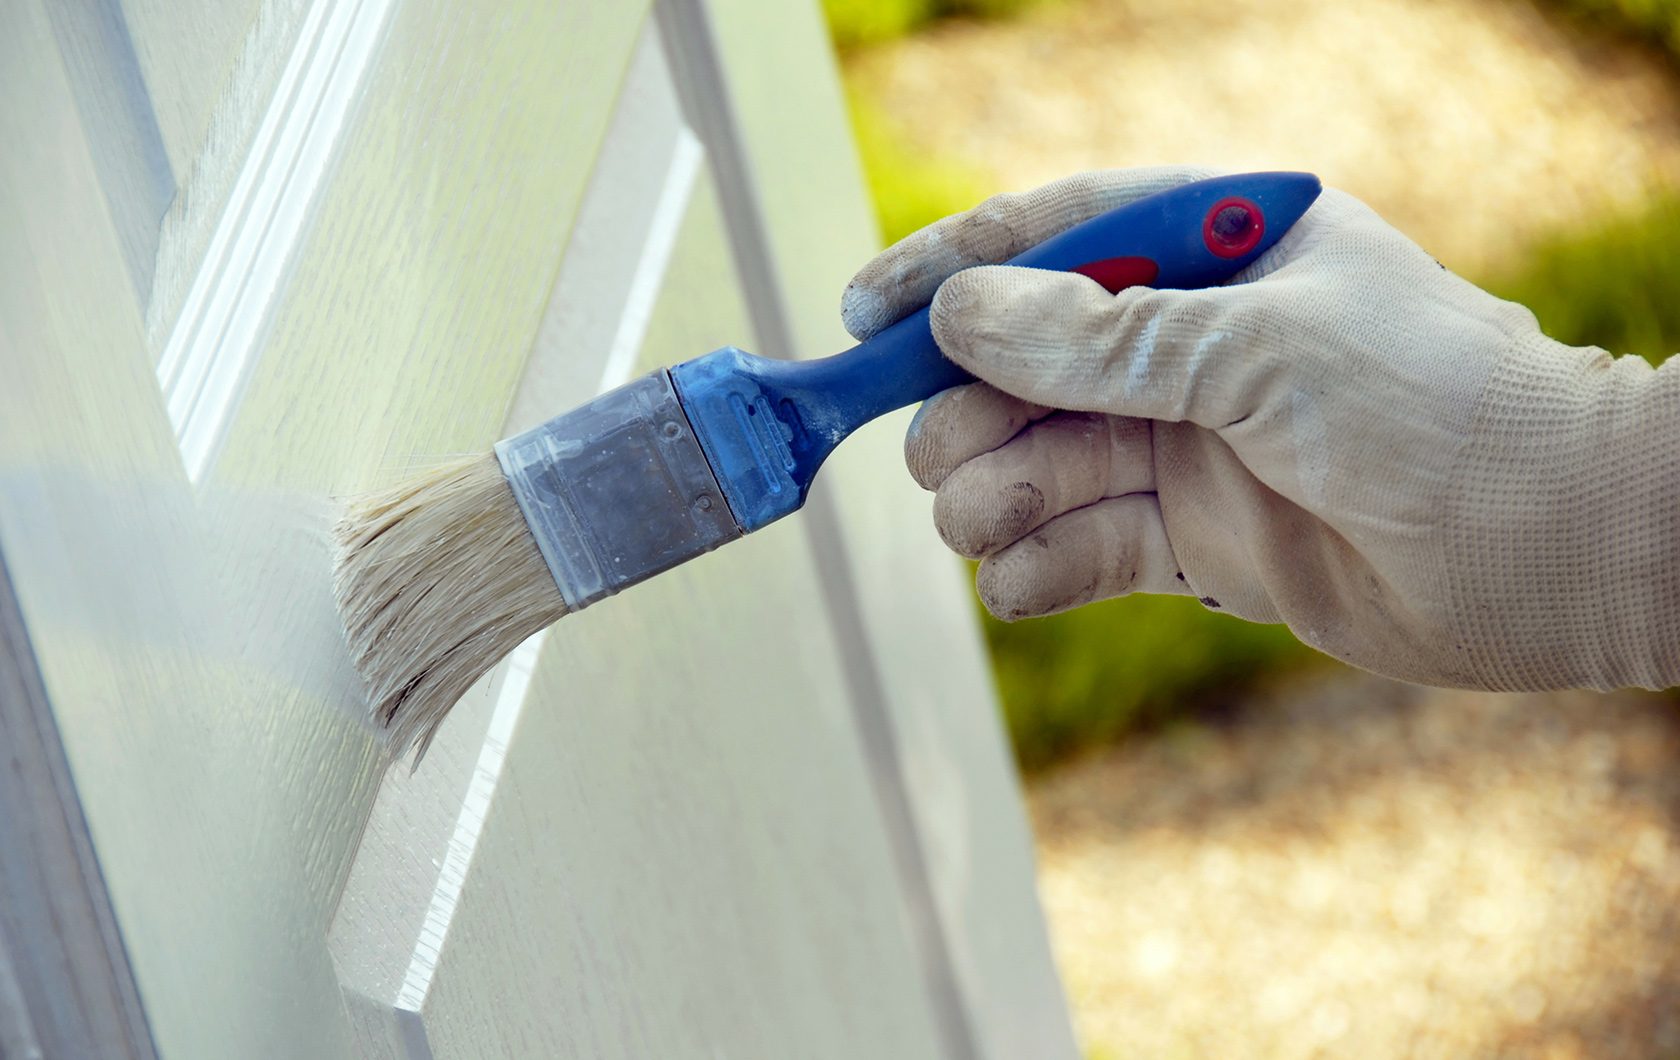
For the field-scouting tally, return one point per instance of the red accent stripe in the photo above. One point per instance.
(1117, 274)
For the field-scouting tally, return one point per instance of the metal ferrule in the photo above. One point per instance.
(617, 491)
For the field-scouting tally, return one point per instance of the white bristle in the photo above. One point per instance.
(437, 579)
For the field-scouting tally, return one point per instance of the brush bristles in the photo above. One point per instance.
(436, 580)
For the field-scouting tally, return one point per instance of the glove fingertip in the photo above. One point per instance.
(864, 311)
(925, 464)
(997, 583)
(930, 450)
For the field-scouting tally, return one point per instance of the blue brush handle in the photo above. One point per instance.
(766, 426)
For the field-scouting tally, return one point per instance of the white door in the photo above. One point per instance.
(258, 255)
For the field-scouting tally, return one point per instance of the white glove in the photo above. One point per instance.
(1347, 438)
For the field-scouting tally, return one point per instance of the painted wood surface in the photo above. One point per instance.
(914, 596)
(672, 827)
(66, 988)
(680, 809)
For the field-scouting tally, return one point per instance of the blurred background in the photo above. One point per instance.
(1245, 849)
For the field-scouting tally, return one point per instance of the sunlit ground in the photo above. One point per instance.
(1471, 125)
(1368, 869)
(1351, 868)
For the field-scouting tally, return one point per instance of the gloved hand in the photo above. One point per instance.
(1347, 438)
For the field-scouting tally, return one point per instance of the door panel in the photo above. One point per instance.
(759, 805)
(186, 51)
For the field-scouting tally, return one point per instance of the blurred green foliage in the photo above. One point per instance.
(912, 189)
(1091, 675)
(1614, 283)
(1095, 674)
(1658, 20)
(856, 22)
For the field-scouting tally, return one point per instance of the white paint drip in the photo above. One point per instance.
(668, 213)
(1137, 373)
(475, 807)
(1312, 448)
(1193, 369)
(205, 361)
(1197, 355)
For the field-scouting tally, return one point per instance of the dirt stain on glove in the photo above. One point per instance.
(976, 521)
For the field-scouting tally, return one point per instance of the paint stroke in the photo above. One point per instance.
(208, 356)
(686, 158)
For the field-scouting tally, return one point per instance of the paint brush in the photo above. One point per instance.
(439, 577)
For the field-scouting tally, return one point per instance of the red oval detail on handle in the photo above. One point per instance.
(1117, 274)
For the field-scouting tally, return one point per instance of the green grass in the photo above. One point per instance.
(1099, 673)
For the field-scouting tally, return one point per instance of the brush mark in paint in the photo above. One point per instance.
(686, 158)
